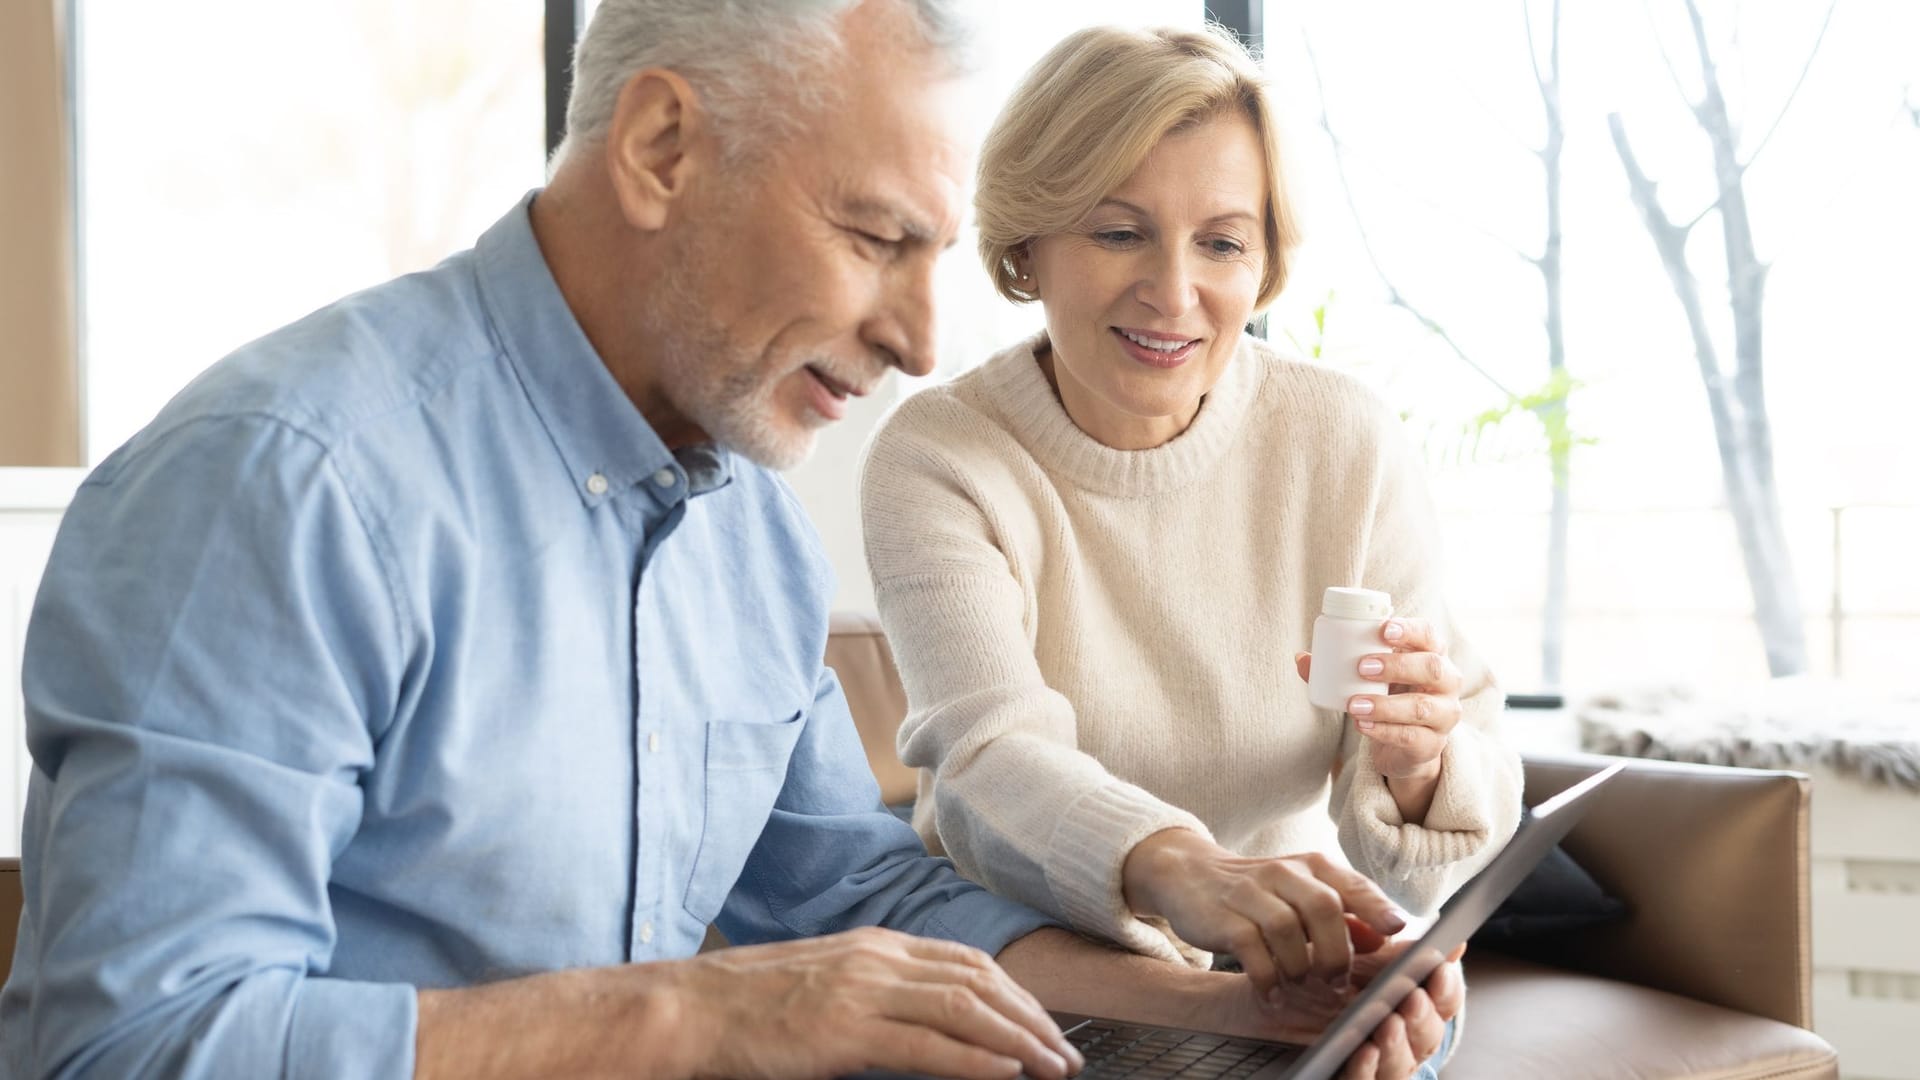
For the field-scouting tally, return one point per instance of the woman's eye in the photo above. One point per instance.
(1116, 237)
(1225, 247)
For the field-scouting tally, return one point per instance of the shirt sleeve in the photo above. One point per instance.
(1476, 805)
(1015, 802)
(212, 636)
(832, 858)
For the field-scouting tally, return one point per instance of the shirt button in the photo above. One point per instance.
(646, 933)
(596, 484)
(653, 742)
(664, 478)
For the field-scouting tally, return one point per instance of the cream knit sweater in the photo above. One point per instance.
(1098, 644)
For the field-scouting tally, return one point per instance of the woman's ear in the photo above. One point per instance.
(654, 145)
(1020, 270)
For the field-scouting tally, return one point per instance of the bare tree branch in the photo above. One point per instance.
(1394, 296)
(1825, 22)
(1391, 177)
(1666, 58)
(1771, 128)
(1533, 51)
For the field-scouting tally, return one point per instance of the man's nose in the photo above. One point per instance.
(905, 335)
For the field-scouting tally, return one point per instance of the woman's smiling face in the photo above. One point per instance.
(1147, 297)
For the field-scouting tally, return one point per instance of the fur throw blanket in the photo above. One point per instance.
(1781, 724)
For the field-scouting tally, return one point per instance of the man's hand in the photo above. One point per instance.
(1283, 918)
(859, 1000)
(817, 1007)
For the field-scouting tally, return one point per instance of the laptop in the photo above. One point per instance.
(1115, 1048)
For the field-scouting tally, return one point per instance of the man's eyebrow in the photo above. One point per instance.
(911, 227)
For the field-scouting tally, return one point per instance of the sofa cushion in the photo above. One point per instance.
(1528, 1022)
(1557, 897)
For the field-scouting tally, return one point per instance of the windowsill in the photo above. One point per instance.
(38, 490)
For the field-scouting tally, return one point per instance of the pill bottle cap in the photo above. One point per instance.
(1344, 603)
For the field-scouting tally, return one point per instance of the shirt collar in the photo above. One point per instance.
(608, 447)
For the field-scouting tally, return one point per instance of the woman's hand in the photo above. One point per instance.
(1283, 918)
(1409, 725)
(1414, 1031)
(1411, 1034)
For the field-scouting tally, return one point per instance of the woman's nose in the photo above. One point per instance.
(1168, 285)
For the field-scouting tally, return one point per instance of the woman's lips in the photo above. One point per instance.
(1159, 358)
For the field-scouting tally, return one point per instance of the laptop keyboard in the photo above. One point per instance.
(1115, 1050)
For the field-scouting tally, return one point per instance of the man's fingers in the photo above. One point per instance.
(997, 990)
(909, 1048)
(957, 1013)
(1015, 1000)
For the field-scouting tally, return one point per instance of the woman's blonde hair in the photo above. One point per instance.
(1090, 112)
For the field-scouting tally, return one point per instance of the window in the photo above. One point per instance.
(242, 164)
(1435, 195)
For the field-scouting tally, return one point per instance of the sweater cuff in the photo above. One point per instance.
(1084, 859)
(1460, 826)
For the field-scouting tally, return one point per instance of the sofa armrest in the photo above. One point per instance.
(1713, 865)
(857, 652)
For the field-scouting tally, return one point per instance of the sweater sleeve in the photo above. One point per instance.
(1476, 806)
(1015, 803)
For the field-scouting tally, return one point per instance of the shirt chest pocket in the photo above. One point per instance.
(745, 770)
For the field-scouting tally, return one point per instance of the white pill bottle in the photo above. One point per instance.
(1348, 628)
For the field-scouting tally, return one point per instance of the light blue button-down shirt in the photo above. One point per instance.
(399, 651)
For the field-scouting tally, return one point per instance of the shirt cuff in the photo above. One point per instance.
(357, 1029)
(1084, 860)
(985, 921)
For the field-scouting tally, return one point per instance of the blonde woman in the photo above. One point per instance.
(1099, 555)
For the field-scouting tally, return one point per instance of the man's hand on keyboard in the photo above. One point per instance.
(865, 999)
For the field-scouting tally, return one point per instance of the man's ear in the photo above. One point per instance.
(653, 145)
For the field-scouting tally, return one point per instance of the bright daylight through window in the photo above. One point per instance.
(1614, 505)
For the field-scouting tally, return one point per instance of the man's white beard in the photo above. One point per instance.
(716, 383)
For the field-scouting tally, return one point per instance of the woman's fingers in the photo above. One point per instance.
(1434, 714)
(1425, 1029)
(1403, 634)
(1447, 987)
(1396, 1054)
(1429, 671)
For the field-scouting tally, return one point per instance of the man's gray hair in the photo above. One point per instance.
(758, 65)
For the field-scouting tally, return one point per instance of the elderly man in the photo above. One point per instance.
(411, 695)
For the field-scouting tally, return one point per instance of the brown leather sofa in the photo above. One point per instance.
(1710, 976)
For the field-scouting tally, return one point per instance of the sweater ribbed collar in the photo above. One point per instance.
(1018, 389)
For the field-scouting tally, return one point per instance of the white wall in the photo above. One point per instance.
(30, 504)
